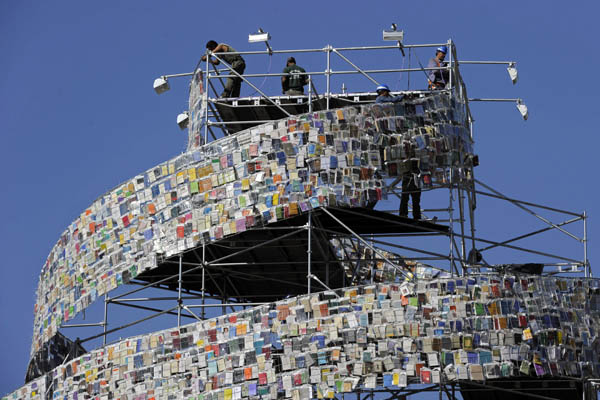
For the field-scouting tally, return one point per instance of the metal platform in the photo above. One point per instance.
(253, 110)
(269, 263)
(526, 388)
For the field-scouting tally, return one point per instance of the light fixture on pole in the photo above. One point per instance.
(522, 109)
(183, 120)
(261, 36)
(394, 35)
(161, 85)
(512, 72)
(512, 67)
(519, 102)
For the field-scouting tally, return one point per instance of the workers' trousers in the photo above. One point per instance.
(410, 188)
(234, 84)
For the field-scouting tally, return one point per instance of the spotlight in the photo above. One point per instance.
(161, 85)
(394, 35)
(512, 72)
(261, 36)
(183, 119)
(522, 109)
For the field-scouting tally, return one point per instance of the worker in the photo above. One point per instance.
(438, 78)
(384, 96)
(237, 63)
(293, 83)
(410, 188)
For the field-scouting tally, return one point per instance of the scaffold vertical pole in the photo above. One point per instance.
(461, 207)
(328, 74)
(309, 251)
(310, 106)
(105, 323)
(408, 75)
(588, 273)
(451, 223)
(450, 61)
(205, 100)
(179, 301)
(471, 195)
(203, 278)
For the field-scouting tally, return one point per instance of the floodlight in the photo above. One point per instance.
(512, 72)
(260, 36)
(183, 119)
(522, 109)
(161, 85)
(394, 36)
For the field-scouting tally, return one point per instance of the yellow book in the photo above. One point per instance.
(192, 174)
(245, 184)
(180, 177)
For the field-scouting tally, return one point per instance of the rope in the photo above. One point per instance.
(265, 78)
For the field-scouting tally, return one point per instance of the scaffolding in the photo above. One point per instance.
(296, 257)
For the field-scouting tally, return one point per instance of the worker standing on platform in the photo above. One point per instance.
(293, 83)
(384, 96)
(234, 83)
(410, 187)
(439, 77)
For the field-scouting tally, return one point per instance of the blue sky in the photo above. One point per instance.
(78, 114)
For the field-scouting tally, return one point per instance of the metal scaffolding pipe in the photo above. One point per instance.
(127, 325)
(529, 211)
(365, 242)
(250, 84)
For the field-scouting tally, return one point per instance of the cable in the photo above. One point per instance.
(265, 78)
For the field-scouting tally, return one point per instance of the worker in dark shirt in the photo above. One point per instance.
(234, 83)
(410, 188)
(293, 83)
(410, 184)
(384, 96)
(438, 78)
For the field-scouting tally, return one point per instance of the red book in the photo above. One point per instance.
(496, 291)
(425, 376)
(298, 379)
(522, 321)
(262, 378)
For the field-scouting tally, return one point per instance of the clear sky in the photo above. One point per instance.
(78, 114)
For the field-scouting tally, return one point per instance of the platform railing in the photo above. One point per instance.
(228, 72)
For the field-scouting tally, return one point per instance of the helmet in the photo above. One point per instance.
(443, 49)
(382, 87)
